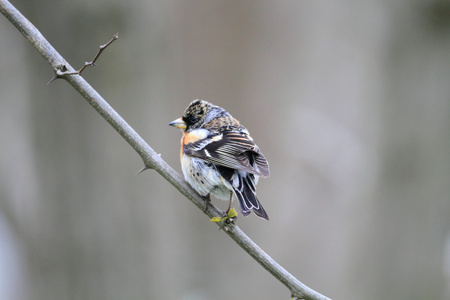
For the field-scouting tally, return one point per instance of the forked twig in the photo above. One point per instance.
(62, 70)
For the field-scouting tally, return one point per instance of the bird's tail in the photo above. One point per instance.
(246, 194)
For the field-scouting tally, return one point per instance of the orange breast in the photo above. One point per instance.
(192, 137)
(182, 144)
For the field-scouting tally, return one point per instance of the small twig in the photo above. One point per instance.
(63, 71)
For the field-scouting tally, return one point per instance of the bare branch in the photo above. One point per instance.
(149, 156)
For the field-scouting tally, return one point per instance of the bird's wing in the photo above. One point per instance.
(234, 150)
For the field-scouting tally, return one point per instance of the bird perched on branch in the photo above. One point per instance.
(218, 156)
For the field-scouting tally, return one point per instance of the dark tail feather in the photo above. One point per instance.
(245, 192)
(248, 201)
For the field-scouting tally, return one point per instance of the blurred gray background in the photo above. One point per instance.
(348, 100)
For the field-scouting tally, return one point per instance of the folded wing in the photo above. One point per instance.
(234, 150)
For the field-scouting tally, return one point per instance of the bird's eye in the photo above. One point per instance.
(192, 119)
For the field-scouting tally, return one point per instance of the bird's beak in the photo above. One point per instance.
(178, 123)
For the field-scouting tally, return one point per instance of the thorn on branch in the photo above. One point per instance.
(62, 70)
(143, 169)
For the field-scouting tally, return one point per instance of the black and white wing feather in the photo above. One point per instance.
(233, 150)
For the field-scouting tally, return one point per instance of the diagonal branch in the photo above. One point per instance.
(149, 156)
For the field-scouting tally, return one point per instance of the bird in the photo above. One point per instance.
(219, 157)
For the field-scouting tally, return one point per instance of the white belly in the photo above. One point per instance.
(204, 179)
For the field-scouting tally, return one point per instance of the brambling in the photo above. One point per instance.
(218, 156)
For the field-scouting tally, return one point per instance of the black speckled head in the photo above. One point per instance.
(201, 112)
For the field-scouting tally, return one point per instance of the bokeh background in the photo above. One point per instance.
(348, 100)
